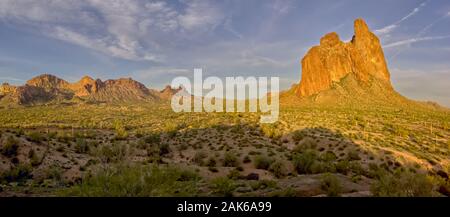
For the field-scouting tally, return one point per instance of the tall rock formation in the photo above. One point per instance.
(328, 63)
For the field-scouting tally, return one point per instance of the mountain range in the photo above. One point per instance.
(49, 88)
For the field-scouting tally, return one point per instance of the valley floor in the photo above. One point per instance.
(148, 150)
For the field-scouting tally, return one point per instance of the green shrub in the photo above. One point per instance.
(199, 158)
(353, 155)
(262, 162)
(163, 149)
(54, 172)
(303, 162)
(343, 167)
(34, 159)
(112, 154)
(306, 144)
(223, 186)
(152, 138)
(18, 173)
(137, 181)
(278, 168)
(121, 132)
(402, 184)
(298, 136)
(230, 160)
(81, 146)
(234, 174)
(35, 137)
(328, 156)
(10, 147)
(331, 185)
(263, 184)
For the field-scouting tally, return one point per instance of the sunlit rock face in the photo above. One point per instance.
(333, 60)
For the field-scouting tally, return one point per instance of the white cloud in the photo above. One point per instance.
(200, 15)
(128, 29)
(229, 27)
(389, 28)
(415, 40)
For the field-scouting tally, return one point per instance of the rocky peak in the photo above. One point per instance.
(6, 88)
(86, 80)
(332, 60)
(168, 92)
(330, 40)
(47, 82)
(361, 28)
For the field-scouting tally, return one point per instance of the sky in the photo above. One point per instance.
(155, 41)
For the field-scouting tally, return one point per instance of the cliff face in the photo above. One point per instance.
(333, 60)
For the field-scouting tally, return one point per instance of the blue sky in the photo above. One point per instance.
(155, 41)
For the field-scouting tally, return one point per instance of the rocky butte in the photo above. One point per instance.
(329, 63)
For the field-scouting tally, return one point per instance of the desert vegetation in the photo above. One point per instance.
(134, 150)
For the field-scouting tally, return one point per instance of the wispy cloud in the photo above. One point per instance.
(392, 27)
(282, 6)
(11, 79)
(128, 29)
(415, 40)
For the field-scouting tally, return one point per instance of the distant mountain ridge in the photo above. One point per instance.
(47, 88)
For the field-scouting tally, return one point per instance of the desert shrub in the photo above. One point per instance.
(223, 186)
(18, 173)
(230, 160)
(331, 185)
(356, 168)
(270, 131)
(152, 138)
(278, 168)
(10, 147)
(112, 154)
(234, 174)
(328, 156)
(128, 180)
(121, 132)
(81, 146)
(306, 144)
(402, 184)
(54, 172)
(353, 155)
(343, 167)
(298, 136)
(34, 159)
(171, 129)
(35, 137)
(318, 167)
(163, 149)
(263, 184)
(303, 162)
(199, 158)
(262, 162)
